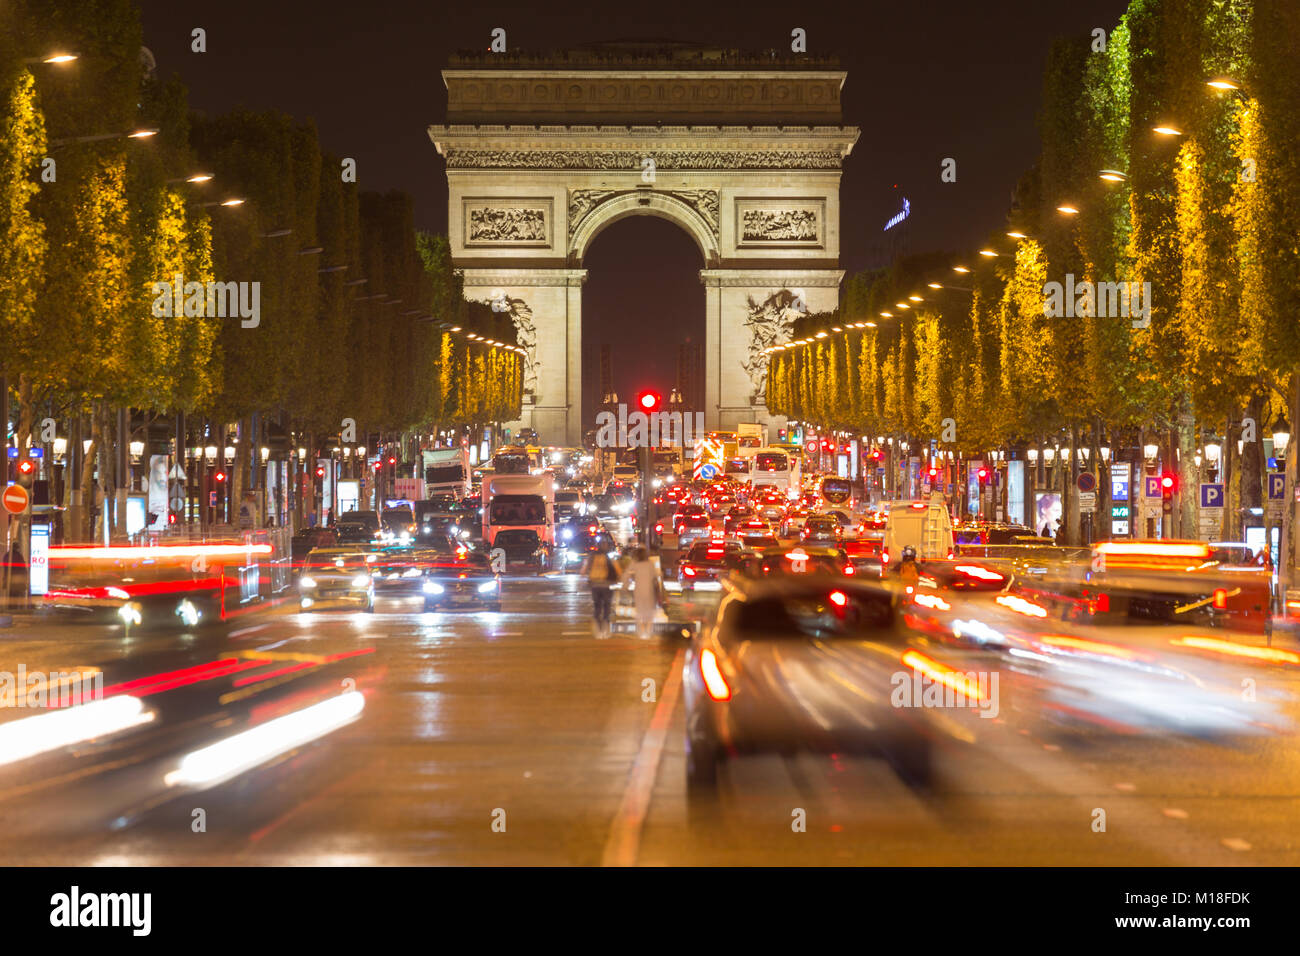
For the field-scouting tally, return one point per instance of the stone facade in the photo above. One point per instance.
(761, 202)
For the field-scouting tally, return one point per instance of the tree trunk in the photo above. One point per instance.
(1189, 477)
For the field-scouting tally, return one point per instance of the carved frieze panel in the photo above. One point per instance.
(508, 222)
(776, 222)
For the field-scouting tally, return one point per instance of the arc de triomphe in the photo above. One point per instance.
(744, 153)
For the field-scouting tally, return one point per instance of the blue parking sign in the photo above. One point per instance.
(1276, 486)
(1152, 486)
(1211, 495)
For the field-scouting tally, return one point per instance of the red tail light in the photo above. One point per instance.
(839, 598)
(714, 682)
(849, 569)
(659, 527)
(884, 557)
(688, 571)
(1220, 598)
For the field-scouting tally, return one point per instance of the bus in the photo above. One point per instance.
(776, 468)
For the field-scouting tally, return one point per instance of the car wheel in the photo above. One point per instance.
(702, 760)
(912, 759)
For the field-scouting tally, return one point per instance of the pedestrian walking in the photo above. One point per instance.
(646, 586)
(602, 575)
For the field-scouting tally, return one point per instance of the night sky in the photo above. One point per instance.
(926, 80)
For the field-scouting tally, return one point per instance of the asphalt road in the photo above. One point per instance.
(518, 738)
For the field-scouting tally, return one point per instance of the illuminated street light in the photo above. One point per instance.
(916, 298)
(901, 305)
(1112, 175)
(1017, 235)
(934, 285)
(1168, 130)
(886, 315)
(54, 58)
(1068, 210)
(988, 253)
(142, 134)
(1222, 83)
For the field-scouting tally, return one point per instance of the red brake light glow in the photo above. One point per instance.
(714, 682)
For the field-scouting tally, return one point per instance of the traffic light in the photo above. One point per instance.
(934, 472)
(219, 476)
(392, 460)
(26, 467)
(983, 475)
(648, 401)
(875, 454)
(1168, 486)
(320, 471)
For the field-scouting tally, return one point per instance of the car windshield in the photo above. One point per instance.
(710, 553)
(771, 461)
(518, 509)
(830, 613)
(799, 562)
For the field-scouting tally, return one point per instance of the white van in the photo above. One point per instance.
(923, 525)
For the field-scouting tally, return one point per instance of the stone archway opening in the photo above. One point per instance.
(643, 314)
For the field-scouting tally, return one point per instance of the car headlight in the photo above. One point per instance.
(306, 581)
(487, 586)
(566, 536)
(361, 581)
(432, 587)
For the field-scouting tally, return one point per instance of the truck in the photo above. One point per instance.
(519, 517)
(447, 472)
(750, 437)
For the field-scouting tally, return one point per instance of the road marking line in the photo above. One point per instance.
(1174, 813)
(625, 832)
(248, 630)
(1235, 843)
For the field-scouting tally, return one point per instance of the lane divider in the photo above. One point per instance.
(624, 840)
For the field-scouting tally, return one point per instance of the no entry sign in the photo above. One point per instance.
(15, 499)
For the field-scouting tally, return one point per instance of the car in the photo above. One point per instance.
(719, 504)
(734, 517)
(576, 540)
(522, 548)
(338, 576)
(400, 524)
(799, 664)
(750, 527)
(793, 522)
(359, 527)
(757, 542)
(864, 550)
(309, 539)
(804, 560)
(569, 504)
(707, 562)
(821, 529)
(461, 579)
(400, 569)
(771, 509)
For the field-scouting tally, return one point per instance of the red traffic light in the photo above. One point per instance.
(320, 471)
(649, 401)
(392, 461)
(934, 472)
(1168, 483)
(220, 476)
(875, 454)
(984, 474)
(26, 466)
(378, 465)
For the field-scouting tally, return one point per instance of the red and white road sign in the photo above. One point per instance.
(15, 499)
